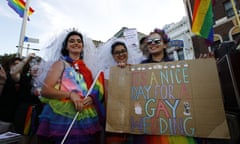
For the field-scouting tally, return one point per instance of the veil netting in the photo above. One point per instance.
(52, 53)
(105, 59)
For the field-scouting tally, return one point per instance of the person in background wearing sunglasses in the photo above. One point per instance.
(157, 42)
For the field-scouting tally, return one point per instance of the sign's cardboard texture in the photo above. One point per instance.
(170, 98)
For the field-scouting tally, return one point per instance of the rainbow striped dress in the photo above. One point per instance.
(57, 115)
(165, 139)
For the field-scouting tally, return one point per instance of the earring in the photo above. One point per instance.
(28, 73)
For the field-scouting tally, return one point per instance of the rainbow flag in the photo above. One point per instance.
(98, 92)
(19, 6)
(30, 122)
(202, 24)
(165, 139)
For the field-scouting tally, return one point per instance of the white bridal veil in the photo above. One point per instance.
(52, 52)
(105, 59)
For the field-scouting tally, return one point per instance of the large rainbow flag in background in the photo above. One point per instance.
(19, 6)
(202, 24)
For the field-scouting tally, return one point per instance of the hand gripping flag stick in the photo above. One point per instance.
(75, 117)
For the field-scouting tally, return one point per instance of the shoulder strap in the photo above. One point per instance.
(60, 83)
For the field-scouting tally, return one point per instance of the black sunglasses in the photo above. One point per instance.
(154, 41)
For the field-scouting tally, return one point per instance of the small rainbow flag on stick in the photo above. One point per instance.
(98, 91)
(203, 19)
(19, 6)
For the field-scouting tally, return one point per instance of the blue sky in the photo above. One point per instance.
(98, 19)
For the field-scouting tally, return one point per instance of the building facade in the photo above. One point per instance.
(226, 24)
(180, 46)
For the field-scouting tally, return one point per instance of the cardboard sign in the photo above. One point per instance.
(170, 98)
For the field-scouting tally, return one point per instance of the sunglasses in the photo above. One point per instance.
(119, 52)
(154, 41)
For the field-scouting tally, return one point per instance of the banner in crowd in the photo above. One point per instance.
(170, 98)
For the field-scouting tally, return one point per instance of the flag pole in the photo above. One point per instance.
(23, 29)
(235, 12)
(76, 115)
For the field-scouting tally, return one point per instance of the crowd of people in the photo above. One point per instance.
(42, 99)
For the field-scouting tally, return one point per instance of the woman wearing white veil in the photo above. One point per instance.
(52, 52)
(115, 52)
(66, 80)
(106, 59)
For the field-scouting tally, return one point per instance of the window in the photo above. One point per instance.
(229, 8)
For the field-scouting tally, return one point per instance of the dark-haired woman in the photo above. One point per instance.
(119, 54)
(64, 93)
(8, 97)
